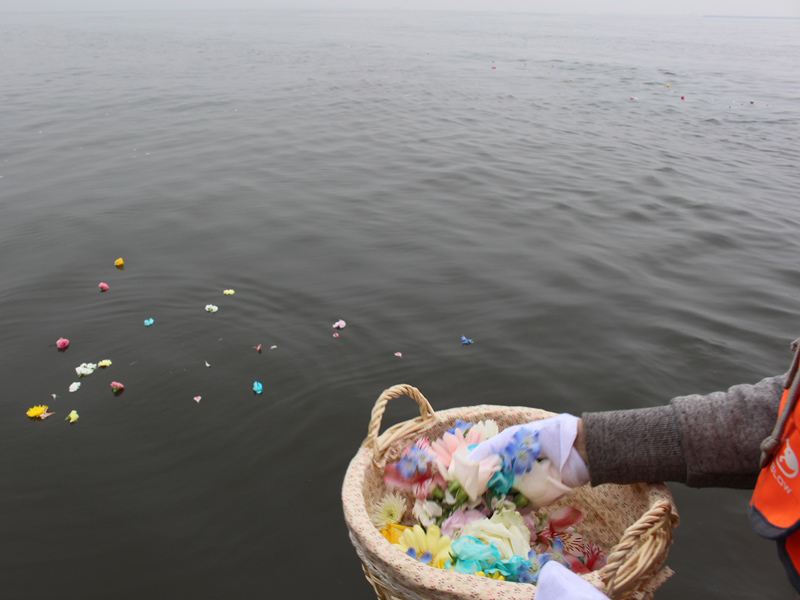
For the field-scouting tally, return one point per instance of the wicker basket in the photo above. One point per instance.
(634, 522)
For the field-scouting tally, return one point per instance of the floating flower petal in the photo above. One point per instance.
(46, 414)
(117, 387)
(465, 341)
(36, 412)
(335, 335)
(75, 386)
(208, 365)
(257, 348)
(197, 399)
(62, 343)
(398, 354)
(119, 263)
(258, 387)
(103, 286)
(211, 308)
(229, 292)
(340, 324)
(104, 363)
(85, 369)
(72, 417)
(148, 322)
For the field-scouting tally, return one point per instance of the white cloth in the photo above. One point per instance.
(556, 582)
(556, 439)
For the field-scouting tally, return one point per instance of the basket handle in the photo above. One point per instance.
(641, 551)
(415, 426)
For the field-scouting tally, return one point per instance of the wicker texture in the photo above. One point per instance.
(634, 522)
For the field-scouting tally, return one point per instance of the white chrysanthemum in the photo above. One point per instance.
(390, 509)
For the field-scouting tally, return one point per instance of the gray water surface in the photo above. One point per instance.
(420, 175)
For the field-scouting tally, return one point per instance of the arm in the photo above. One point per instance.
(702, 441)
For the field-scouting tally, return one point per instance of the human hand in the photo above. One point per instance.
(560, 466)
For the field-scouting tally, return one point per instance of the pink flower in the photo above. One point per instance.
(116, 386)
(62, 343)
(453, 524)
(103, 286)
(447, 446)
(419, 484)
(565, 517)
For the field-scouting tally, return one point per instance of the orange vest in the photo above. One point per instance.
(775, 504)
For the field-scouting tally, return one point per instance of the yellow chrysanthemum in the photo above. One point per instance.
(496, 575)
(36, 412)
(393, 531)
(104, 363)
(426, 541)
(390, 509)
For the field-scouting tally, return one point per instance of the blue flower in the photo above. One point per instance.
(460, 424)
(406, 466)
(540, 560)
(520, 452)
(425, 557)
(420, 458)
(501, 482)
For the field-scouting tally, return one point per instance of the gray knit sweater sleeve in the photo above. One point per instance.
(702, 441)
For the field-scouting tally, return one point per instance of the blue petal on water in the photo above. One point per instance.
(465, 341)
(257, 387)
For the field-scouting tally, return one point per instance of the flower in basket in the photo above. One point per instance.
(426, 512)
(414, 472)
(537, 561)
(458, 519)
(471, 555)
(393, 531)
(473, 475)
(506, 530)
(556, 531)
(429, 547)
(390, 509)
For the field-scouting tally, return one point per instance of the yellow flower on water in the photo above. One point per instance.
(426, 541)
(104, 363)
(119, 263)
(393, 531)
(72, 417)
(36, 412)
(229, 292)
(496, 575)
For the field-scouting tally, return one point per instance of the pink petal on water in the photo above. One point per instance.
(335, 335)
(340, 324)
(197, 398)
(398, 354)
(257, 348)
(44, 415)
(62, 343)
(116, 386)
(103, 286)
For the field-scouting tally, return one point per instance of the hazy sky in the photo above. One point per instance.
(771, 8)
